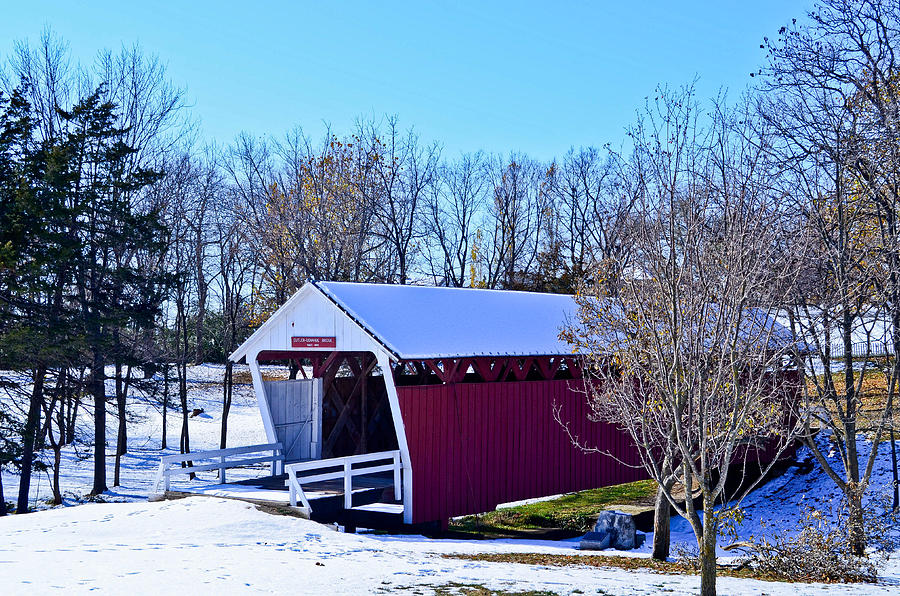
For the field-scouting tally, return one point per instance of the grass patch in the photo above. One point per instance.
(874, 381)
(612, 561)
(242, 377)
(872, 396)
(576, 512)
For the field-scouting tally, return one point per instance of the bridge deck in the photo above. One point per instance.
(373, 498)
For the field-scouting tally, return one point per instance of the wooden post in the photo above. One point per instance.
(394, 402)
(363, 407)
(277, 463)
(348, 486)
(398, 491)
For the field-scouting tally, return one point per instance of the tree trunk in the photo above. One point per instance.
(856, 531)
(57, 461)
(98, 390)
(226, 403)
(165, 403)
(122, 387)
(199, 356)
(29, 437)
(57, 412)
(117, 466)
(708, 549)
(202, 290)
(72, 413)
(2, 498)
(896, 504)
(69, 415)
(120, 415)
(662, 516)
(185, 443)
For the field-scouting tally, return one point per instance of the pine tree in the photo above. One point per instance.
(33, 264)
(111, 288)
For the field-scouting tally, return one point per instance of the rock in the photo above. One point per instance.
(613, 529)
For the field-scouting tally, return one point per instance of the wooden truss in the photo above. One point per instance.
(486, 369)
(356, 415)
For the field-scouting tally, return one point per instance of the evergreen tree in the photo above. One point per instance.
(34, 334)
(111, 288)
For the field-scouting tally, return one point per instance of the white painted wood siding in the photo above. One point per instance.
(296, 410)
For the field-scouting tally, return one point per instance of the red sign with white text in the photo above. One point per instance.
(313, 342)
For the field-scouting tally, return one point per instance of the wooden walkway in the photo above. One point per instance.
(383, 481)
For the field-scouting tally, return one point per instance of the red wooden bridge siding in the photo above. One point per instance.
(476, 445)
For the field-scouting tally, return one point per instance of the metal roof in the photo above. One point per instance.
(418, 322)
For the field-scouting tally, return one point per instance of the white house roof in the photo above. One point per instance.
(417, 322)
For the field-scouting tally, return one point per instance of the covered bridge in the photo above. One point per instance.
(460, 384)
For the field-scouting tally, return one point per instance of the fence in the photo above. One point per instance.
(863, 349)
(221, 461)
(300, 473)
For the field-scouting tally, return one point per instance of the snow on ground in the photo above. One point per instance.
(778, 507)
(222, 546)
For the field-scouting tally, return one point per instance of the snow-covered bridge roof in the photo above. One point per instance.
(418, 322)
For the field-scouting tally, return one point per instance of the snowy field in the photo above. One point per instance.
(219, 546)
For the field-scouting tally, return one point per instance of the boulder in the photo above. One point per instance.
(612, 530)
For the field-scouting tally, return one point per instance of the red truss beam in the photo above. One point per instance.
(548, 365)
(574, 367)
(489, 368)
(320, 367)
(433, 366)
(520, 367)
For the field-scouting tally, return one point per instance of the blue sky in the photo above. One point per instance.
(537, 77)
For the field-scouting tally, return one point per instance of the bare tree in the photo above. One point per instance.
(453, 207)
(593, 195)
(54, 80)
(201, 224)
(306, 212)
(233, 281)
(835, 98)
(516, 217)
(683, 350)
(402, 173)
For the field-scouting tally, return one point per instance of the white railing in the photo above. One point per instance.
(300, 473)
(862, 348)
(222, 461)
